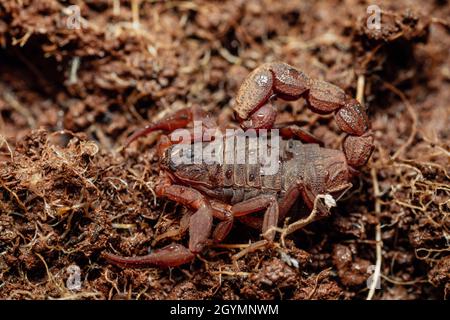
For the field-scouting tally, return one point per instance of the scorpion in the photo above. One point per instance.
(239, 191)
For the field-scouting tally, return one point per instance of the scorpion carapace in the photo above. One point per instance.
(229, 190)
(235, 182)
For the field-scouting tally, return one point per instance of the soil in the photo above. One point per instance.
(71, 95)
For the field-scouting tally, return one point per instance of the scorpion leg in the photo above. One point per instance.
(200, 225)
(252, 221)
(292, 194)
(300, 189)
(222, 212)
(177, 120)
(308, 196)
(258, 203)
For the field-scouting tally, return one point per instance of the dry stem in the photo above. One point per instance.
(377, 272)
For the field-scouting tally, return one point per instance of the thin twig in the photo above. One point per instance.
(231, 273)
(3, 141)
(12, 100)
(299, 224)
(252, 247)
(232, 245)
(116, 7)
(360, 89)
(413, 115)
(135, 12)
(376, 275)
(74, 66)
(403, 283)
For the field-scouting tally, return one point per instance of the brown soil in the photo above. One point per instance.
(67, 196)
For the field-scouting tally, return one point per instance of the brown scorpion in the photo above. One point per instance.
(229, 191)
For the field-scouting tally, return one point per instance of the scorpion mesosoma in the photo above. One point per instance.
(226, 192)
